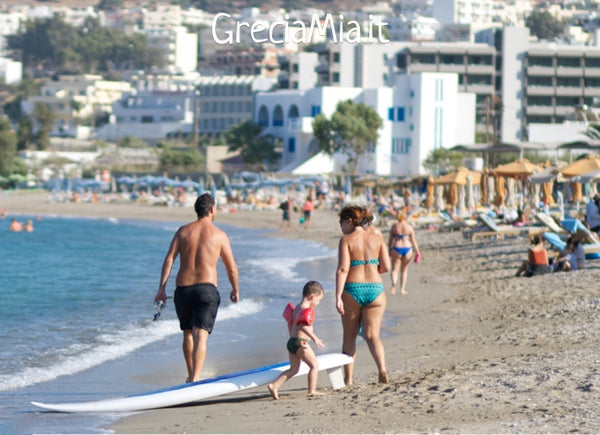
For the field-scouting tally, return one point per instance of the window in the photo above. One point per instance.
(391, 114)
(263, 116)
(336, 58)
(147, 119)
(293, 112)
(539, 101)
(570, 82)
(422, 58)
(539, 81)
(400, 114)
(292, 145)
(540, 61)
(315, 110)
(278, 116)
(335, 77)
(592, 62)
(569, 62)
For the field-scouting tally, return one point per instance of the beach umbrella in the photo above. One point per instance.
(500, 188)
(511, 193)
(461, 202)
(534, 196)
(452, 195)
(521, 169)
(470, 199)
(547, 197)
(458, 177)
(491, 188)
(430, 193)
(582, 166)
(439, 197)
(577, 194)
(483, 199)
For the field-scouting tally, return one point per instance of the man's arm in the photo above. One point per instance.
(172, 253)
(231, 268)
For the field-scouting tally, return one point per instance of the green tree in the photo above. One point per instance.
(132, 142)
(350, 131)
(180, 160)
(110, 5)
(21, 91)
(8, 146)
(543, 25)
(24, 132)
(44, 117)
(255, 148)
(442, 161)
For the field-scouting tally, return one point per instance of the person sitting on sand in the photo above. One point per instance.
(300, 320)
(571, 258)
(537, 259)
(15, 225)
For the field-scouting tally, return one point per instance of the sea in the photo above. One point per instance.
(76, 310)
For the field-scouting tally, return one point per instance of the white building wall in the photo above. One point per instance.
(11, 71)
(186, 51)
(434, 115)
(515, 43)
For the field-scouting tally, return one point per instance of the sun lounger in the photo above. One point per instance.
(547, 221)
(450, 224)
(499, 231)
(592, 250)
(575, 226)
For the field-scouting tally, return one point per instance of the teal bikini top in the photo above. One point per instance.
(374, 261)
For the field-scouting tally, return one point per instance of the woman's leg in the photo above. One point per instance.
(372, 317)
(404, 271)
(350, 325)
(396, 263)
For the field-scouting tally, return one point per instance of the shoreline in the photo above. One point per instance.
(476, 350)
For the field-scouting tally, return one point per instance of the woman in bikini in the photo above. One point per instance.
(360, 296)
(403, 248)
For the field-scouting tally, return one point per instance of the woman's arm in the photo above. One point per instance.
(341, 274)
(384, 258)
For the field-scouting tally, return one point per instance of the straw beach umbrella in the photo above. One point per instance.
(483, 187)
(439, 197)
(430, 190)
(581, 166)
(520, 169)
(500, 191)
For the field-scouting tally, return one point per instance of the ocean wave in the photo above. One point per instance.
(284, 267)
(112, 346)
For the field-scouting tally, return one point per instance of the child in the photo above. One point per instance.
(300, 320)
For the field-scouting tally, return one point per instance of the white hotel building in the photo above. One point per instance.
(422, 112)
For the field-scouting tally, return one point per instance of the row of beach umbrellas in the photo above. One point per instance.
(511, 183)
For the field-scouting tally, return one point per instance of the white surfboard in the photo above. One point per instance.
(204, 389)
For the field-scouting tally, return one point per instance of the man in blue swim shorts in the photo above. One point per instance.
(199, 246)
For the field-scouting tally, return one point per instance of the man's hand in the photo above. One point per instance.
(234, 296)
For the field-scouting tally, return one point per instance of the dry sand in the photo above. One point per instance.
(476, 350)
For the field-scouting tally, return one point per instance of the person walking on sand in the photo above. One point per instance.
(309, 207)
(199, 245)
(286, 216)
(403, 248)
(359, 291)
(300, 320)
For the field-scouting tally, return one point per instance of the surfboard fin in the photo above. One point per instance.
(336, 377)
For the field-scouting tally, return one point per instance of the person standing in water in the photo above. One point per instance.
(199, 246)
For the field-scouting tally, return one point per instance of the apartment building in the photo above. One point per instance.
(421, 112)
(76, 100)
(179, 46)
(225, 101)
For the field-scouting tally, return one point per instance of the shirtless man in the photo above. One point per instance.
(15, 225)
(199, 244)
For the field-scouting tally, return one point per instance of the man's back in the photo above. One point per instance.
(200, 247)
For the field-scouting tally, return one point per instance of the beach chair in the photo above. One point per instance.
(499, 231)
(547, 221)
(592, 251)
(575, 226)
(450, 224)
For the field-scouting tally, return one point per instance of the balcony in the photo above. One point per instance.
(569, 71)
(569, 91)
(480, 69)
(540, 90)
(540, 70)
(592, 72)
(540, 110)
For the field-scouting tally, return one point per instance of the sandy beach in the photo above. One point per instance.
(475, 349)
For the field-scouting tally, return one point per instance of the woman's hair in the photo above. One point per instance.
(368, 217)
(355, 213)
(401, 215)
(536, 240)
